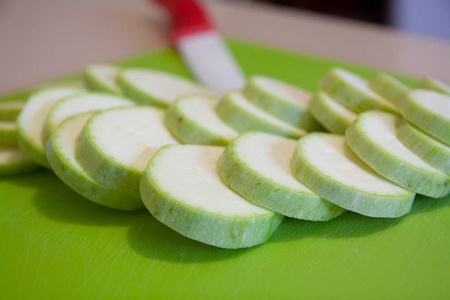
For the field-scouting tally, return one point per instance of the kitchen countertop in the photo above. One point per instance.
(41, 40)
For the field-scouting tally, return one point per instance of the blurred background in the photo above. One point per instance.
(426, 17)
(45, 39)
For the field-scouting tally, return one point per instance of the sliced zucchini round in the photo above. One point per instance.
(388, 87)
(31, 121)
(334, 116)
(182, 189)
(429, 149)
(115, 145)
(13, 161)
(373, 138)
(81, 103)
(257, 166)
(155, 87)
(60, 151)
(8, 134)
(284, 101)
(9, 110)
(435, 85)
(353, 92)
(235, 110)
(325, 164)
(102, 78)
(193, 120)
(428, 110)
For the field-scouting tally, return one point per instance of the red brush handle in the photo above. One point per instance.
(187, 17)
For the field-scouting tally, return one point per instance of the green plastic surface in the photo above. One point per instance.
(56, 245)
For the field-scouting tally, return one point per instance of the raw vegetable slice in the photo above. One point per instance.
(193, 120)
(334, 116)
(435, 85)
(102, 78)
(325, 164)
(60, 151)
(81, 103)
(373, 138)
(429, 149)
(9, 110)
(31, 121)
(13, 162)
(353, 92)
(115, 145)
(8, 134)
(257, 166)
(235, 110)
(284, 101)
(182, 189)
(155, 87)
(428, 110)
(388, 87)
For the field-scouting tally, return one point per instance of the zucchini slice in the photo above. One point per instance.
(81, 103)
(282, 100)
(353, 92)
(116, 145)
(428, 110)
(257, 166)
(13, 161)
(388, 87)
(8, 133)
(193, 120)
(31, 121)
(235, 110)
(325, 164)
(182, 190)
(334, 116)
(102, 78)
(429, 149)
(435, 85)
(9, 110)
(155, 87)
(60, 151)
(373, 138)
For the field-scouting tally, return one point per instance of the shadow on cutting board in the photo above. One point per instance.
(147, 236)
(350, 224)
(53, 199)
(153, 239)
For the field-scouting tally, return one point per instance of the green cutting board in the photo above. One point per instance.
(56, 245)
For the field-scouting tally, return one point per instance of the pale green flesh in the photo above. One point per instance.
(257, 166)
(13, 161)
(325, 164)
(158, 88)
(282, 100)
(373, 138)
(431, 150)
(8, 134)
(428, 110)
(77, 104)
(193, 120)
(116, 145)
(435, 85)
(9, 110)
(60, 152)
(182, 189)
(283, 90)
(353, 91)
(243, 116)
(31, 121)
(388, 87)
(434, 102)
(334, 116)
(103, 78)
